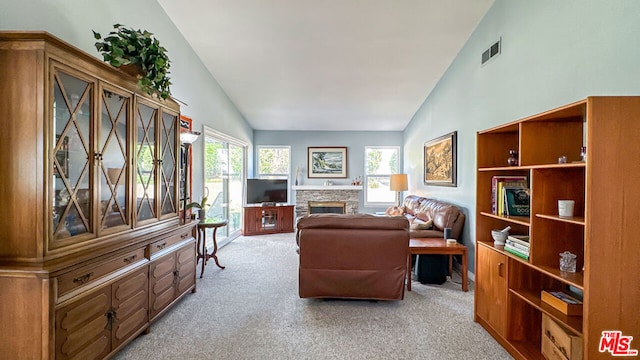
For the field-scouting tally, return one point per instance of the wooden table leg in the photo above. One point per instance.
(409, 266)
(202, 236)
(215, 249)
(465, 287)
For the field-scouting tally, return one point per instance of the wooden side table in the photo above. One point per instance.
(203, 225)
(440, 247)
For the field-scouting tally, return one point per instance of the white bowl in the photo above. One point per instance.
(499, 237)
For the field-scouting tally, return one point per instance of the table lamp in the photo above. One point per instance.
(398, 183)
(186, 138)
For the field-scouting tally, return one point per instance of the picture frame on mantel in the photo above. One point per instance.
(440, 160)
(327, 162)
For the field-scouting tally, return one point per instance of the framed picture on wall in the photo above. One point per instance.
(440, 157)
(327, 162)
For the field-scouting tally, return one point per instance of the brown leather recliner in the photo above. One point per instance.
(352, 256)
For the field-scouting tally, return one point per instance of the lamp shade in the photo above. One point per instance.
(188, 137)
(398, 182)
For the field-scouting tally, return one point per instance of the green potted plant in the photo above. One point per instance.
(201, 206)
(125, 47)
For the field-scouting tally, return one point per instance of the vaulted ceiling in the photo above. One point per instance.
(327, 64)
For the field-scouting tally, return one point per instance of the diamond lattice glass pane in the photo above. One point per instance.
(113, 135)
(168, 164)
(145, 162)
(72, 202)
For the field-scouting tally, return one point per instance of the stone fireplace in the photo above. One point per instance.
(347, 194)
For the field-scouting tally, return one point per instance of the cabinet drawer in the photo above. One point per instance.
(167, 242)
(557, 343)
(74, 279)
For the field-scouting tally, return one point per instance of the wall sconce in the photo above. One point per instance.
(186, 138)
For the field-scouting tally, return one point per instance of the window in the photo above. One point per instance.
(380, 162)
(273, 162)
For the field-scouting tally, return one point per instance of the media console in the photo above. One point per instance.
(259, 220)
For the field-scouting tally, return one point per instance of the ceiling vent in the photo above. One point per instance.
(493, 51)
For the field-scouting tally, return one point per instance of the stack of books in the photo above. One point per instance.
(509, 195)
(518, 245)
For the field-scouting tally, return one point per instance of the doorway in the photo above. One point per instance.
(224, 172)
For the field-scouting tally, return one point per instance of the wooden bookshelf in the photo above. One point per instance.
(601, 233)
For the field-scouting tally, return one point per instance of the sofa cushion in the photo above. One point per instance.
(443, 215)
(431, 233)
(419, 224)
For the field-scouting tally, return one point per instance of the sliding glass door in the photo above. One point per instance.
(224, 163)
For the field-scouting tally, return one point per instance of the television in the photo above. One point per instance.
(267, 191)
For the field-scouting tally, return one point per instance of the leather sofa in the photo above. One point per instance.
(352, 256)
(442, 214)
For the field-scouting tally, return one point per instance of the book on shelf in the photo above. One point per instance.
(516, 252)
(519, 239)
(562, 302)
(501, 181)
(516, 201)
(523, 248)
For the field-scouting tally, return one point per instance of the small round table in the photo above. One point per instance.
(203, 225)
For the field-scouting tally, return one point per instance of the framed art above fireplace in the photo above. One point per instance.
(327, 162)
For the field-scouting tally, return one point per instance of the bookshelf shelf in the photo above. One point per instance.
(573, 323)
(598, 234)
(543, 166)
(574, 279)
(573, 220)
(522, 220)
(527, 349)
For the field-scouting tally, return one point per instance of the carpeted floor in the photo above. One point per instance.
(251, 310)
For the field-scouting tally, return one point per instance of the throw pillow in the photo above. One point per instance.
(418, 224)
(394, 211)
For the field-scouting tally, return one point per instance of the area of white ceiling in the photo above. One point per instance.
(327, 64)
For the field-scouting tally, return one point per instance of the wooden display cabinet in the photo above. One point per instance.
(91, 176)
(601, 233)
(267, 219)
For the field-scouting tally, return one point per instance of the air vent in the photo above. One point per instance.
(493, 51)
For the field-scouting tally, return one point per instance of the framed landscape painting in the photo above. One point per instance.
(327, 162)
(440, 160)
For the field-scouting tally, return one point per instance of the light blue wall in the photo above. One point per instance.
(73, 20)
(554, 53)
(354, 140)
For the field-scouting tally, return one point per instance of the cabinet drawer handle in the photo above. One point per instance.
(83, 279)
(500, 266)
(129, 259)
(184, 236)
(161, 246)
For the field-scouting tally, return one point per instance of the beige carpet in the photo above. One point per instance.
(251, 310)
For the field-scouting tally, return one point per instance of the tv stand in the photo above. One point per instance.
(267, 219)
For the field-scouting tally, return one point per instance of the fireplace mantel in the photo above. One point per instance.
(350, 194)
(330, 187)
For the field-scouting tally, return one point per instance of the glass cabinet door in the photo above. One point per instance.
(72, 158)
(168, 169)
(113, 135)
(146, 159)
